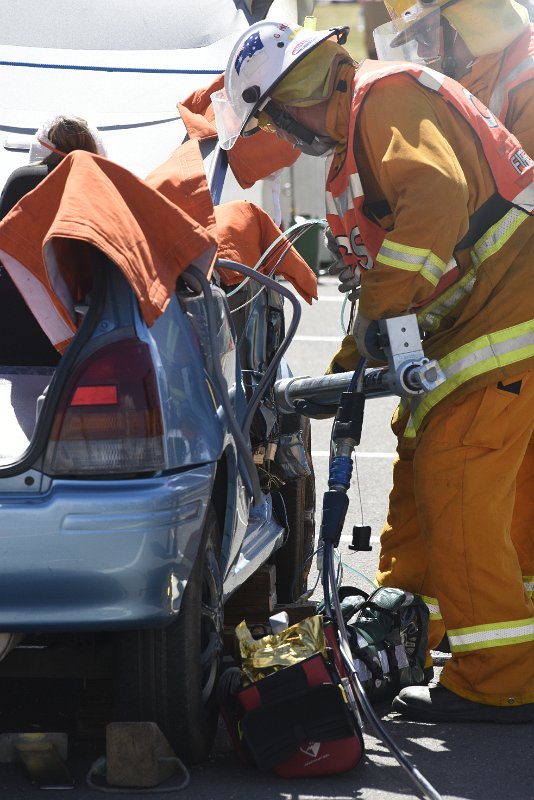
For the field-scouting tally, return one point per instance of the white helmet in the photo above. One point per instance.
(261, 57)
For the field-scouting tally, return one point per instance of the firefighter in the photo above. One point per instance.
(488, 45)
(430, 198)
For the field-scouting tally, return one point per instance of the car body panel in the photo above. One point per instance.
(100, 554)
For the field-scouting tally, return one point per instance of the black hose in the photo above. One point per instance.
(413, 773)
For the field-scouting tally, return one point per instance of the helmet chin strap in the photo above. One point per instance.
(308, 141)
(283, 120)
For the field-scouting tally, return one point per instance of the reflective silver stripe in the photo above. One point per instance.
(525, 199)
(428, 77)
(497, 98)
(500, 349)
(355, 184)
(414, 259)
(330, 203)
(341, 203)
(528, 583)
(480, 637)
(430, 318)
(497, 235)
(345, 200)
(493, 351)
(433, 607)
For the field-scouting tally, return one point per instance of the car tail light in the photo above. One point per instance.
(108, 419)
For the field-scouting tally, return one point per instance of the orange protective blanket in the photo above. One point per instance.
(250, 159)
(245, 231)
(92, 200)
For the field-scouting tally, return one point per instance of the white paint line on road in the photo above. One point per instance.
(347, 537)
(329, 299)
(326, 454)
(318, 338)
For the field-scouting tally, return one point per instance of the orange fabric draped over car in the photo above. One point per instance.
(244, 230)
(91, 200)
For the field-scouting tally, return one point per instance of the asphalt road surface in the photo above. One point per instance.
(462, 762)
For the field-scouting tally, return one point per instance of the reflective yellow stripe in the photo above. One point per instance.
(493, 239)
(500, 634)
(432, 315)
(413, 259)
(498, 235)
(433, 606)
(487, 353)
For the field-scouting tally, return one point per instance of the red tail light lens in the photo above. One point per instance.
(109, 417)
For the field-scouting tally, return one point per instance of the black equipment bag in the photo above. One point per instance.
(296, 722)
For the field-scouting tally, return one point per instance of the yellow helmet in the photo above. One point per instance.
(486, 26)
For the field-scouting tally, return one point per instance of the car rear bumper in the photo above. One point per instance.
(100, 555)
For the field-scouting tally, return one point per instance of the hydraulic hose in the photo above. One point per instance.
(413, 773)
(271, 370)
(247, 468)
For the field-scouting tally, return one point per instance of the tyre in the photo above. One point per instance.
(293, 560)
(169, 676)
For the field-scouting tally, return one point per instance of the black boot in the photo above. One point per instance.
(438, 704)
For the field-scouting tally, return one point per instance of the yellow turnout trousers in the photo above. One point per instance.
(460, 532)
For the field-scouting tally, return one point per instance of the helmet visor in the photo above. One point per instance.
(414, 36)
(226, 120)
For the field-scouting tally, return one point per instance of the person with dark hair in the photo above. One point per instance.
(54, 138)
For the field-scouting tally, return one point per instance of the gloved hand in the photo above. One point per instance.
(365, 332)
(346, 357)
(349, 281)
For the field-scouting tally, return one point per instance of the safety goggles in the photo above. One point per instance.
(265, 122)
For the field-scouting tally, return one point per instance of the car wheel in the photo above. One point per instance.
(169, 676)
(293, 560)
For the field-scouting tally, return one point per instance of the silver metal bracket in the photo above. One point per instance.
(410, 372)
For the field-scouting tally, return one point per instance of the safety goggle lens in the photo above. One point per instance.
(265, 122)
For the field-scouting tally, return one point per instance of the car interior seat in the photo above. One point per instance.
(22, 340)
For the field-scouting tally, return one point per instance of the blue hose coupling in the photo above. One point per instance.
(340, 471)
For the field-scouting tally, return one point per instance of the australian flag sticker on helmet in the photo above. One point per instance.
(250, 47)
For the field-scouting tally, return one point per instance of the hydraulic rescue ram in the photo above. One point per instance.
(408, 373)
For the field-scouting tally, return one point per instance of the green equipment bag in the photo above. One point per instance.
(388, 635)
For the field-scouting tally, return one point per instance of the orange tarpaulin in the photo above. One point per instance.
(244, 232)
(92, 200)
(250, 159)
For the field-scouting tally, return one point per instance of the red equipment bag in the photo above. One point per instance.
(296, 722)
